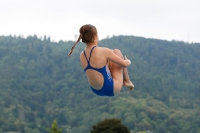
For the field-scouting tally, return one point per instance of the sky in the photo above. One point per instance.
(61, 19)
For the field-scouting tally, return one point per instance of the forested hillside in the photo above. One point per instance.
(40, 83)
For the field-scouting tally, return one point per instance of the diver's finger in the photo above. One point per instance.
(125, 57)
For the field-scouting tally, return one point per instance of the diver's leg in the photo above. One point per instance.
(119, 74)
(126, 80)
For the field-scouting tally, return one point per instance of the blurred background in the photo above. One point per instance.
(61, 19)
(39, 84)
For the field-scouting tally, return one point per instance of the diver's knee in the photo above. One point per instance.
(118, 52)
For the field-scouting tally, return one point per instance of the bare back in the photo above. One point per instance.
(97, 60)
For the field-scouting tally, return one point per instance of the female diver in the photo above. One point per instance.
(106, 69)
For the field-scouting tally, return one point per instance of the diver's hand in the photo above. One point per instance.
(129, 62)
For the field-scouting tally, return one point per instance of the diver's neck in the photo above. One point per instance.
(89, 45)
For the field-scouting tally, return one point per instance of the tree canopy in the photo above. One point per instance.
(39, 83)
(110, 126)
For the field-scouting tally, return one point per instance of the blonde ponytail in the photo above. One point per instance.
(72, 48)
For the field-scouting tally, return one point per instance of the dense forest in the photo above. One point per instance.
(39, 83)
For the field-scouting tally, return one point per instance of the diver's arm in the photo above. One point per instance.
(115, 58)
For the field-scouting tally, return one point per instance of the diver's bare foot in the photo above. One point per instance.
(128, 85)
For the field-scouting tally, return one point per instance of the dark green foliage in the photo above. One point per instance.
(40, 83)
(109, 126)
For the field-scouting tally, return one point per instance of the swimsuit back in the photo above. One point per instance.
(107, 89)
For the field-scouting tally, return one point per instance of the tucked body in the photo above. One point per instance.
(106, 69)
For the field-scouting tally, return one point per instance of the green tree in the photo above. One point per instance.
(110, 126)
(54, 128)
(166, 76)
(1, 131)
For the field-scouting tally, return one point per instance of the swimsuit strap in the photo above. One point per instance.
(85, 56)
(90, 54)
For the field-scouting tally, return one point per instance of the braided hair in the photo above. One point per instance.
(87, 33)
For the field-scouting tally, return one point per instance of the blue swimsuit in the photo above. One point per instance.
(108, 86)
